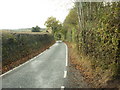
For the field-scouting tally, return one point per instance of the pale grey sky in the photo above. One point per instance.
(28, 13)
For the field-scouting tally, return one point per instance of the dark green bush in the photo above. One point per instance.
(36, 29)
(16, 46)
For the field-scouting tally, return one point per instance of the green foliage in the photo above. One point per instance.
(54, 24)
(70, 25)
(16, 46)
(95, 26)
(36, 29)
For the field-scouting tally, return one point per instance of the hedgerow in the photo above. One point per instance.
(16, 46)
(95, 28)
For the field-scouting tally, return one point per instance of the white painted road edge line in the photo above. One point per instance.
(24, 63)
(62, 87)
(65, 74)
(66, 55)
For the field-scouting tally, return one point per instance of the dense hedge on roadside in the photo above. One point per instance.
(16, 46)
(95, 28)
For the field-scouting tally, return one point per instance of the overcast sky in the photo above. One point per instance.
(28, 13)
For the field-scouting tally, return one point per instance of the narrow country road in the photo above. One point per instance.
(47, 70)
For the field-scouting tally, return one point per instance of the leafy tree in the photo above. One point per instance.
(36, 29)
(70, 25)
(54, 24)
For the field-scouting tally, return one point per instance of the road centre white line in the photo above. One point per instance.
(66, 55)
(62, 87)
(65, 74)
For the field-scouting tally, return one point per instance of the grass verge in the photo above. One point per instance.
(95, 77)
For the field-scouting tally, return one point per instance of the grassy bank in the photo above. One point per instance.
(95, 77)
(19, 47)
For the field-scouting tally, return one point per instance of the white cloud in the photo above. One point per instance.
(29, 13)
